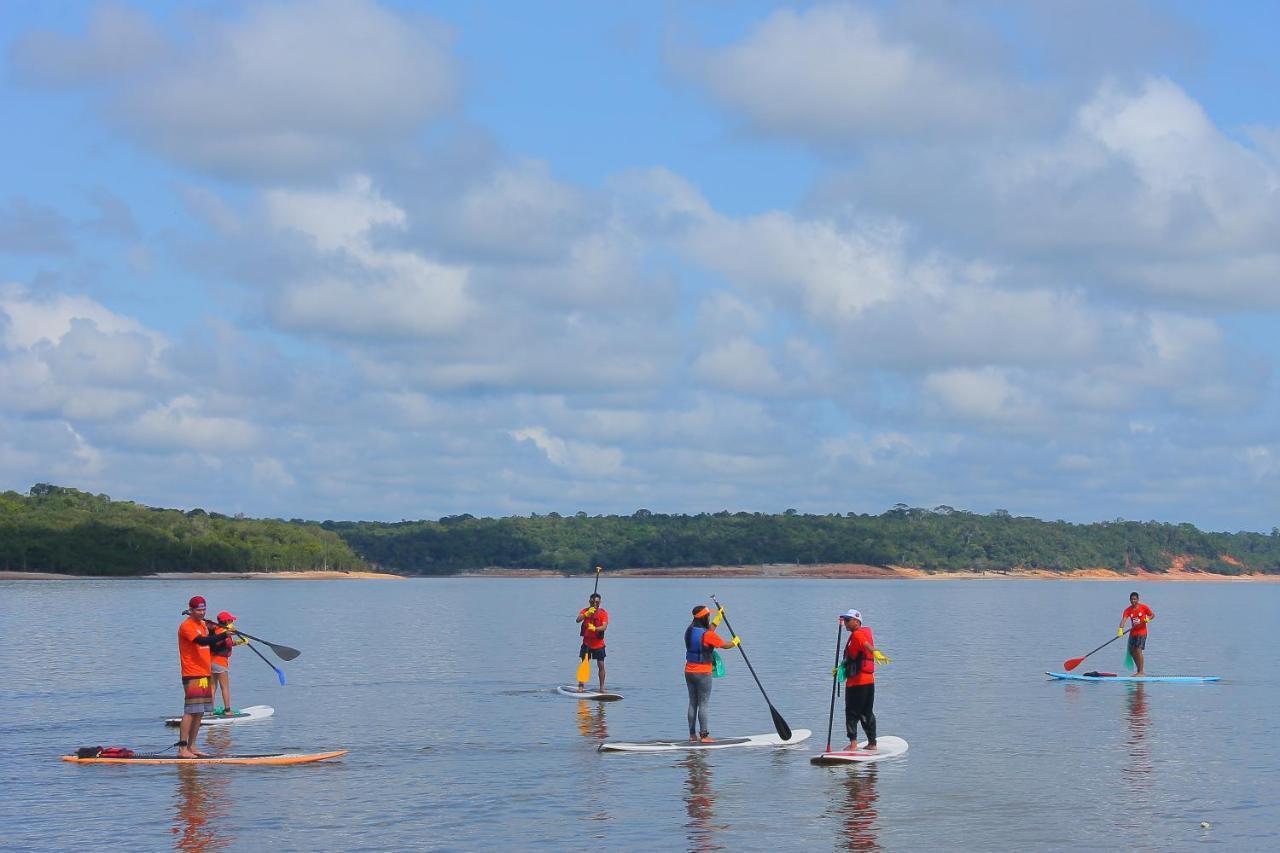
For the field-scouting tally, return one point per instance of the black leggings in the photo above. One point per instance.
(858, 702)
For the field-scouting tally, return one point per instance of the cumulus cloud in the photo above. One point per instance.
(578, 457)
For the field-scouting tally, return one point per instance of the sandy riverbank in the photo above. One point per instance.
(858, 571)
(200, 576)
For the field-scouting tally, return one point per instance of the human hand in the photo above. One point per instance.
(719, 615)
(588, 611)
(881, 657)
(1119, 632)
(735, 641)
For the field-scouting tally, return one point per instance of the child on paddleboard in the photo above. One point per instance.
(860, 659)
(220, 660)
(700, 644)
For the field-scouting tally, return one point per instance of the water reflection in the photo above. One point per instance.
(591, 720)
(1139, 730)
(700, 801)
(858, 815)
(200, 806)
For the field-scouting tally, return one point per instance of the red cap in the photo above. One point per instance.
(196, 601)
(225, 617)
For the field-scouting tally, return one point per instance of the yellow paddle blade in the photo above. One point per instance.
(584, 670)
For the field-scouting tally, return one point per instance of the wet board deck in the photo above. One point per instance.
(1186, 679)
(275, 758)
(771, 739)
(246, 715)
(573, 691)
(886, 747)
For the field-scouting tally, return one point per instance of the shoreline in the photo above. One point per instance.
(858, 571)
(310, 575)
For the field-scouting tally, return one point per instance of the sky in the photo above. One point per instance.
(345, 259)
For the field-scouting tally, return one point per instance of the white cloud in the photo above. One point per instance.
(182, 424)
(579, 458)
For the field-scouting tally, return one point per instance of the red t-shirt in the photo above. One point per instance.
(599, 620)
(1138, 616)
(194, 658)
(866, 673)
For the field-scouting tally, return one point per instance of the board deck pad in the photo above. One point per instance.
(572, 691)
(246, 715)
(771, 739)
(270, 758)
(1185, 679)
(886, 747)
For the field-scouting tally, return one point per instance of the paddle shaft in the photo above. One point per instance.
(835, 680)
(1075, 662)
(279, 673)
(784, 730)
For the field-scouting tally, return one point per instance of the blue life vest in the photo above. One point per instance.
(694, 651)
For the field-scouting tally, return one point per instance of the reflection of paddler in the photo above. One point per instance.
(699, 801)
(594, 619)
(591, 721)
(859, 809)
(700, 644)
(199, 803)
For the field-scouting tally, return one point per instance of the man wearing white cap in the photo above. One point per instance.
(860, 658)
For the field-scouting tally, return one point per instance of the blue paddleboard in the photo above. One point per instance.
(1186, 679)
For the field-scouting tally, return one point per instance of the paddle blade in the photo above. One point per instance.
(584, 670)
(284, 652)
(279, 674)
(784, 731)
(1072, 664)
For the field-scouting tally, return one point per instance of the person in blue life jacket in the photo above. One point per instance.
(700, 643)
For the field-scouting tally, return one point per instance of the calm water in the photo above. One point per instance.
(443, 692)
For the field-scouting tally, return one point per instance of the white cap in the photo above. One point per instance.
(851, 614)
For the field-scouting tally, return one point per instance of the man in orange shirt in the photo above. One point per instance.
(1137, 615)
(197, 676)
(860, 657)
(594, 619)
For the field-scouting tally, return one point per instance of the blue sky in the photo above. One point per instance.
(348, 259)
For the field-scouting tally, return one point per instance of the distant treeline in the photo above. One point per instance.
(56, 529)
(939, 539)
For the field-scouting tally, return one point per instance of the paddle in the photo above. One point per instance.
(784, 730)
(584, 667)
(282, 652)
(279, 672)
(835, 680)
(1075, 662)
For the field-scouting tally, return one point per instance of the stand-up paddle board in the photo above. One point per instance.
(771, 739)
(588, 693)
(244, 715)
(1186, 679)
(275, 758)
(886, 747)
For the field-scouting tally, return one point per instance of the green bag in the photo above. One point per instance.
(841, 675)
(717, 665)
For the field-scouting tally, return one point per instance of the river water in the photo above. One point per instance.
(443, 691)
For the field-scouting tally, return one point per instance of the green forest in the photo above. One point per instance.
(57, 529)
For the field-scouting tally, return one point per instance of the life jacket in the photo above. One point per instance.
(861, 663)
(222, 642)
(694, 650)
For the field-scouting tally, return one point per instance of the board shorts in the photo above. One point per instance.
(220, 668)
(197, 694)
(594, 654)
(1137, 641)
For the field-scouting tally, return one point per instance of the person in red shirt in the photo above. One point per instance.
(1137, 616)
(700, 643)
(594, 620)
(860, 658)
(197, 675)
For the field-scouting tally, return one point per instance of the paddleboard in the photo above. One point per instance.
(275, 758)
(246, 715)
(886, 747)
(588, 693)
(770, 739)
(1186, 679)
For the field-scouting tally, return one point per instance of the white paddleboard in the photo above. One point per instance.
(770, 739)
(886, 747)
(587, 693)
(246, 715)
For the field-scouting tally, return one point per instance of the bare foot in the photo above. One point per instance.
(582, 688)
(870, 746)
(186, 753)
(706, 739)
(852, 747)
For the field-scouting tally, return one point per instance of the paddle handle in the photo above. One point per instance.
(596, 587)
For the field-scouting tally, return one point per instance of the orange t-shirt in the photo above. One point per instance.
(600, 619)
(195, 659)
(1138, 615)
(866, 673)
(712, 640)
